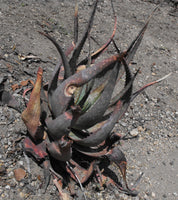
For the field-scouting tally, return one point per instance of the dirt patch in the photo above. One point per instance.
(152, 116)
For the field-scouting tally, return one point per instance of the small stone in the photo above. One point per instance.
(22, 184)
(175, 194)
(140, 129)
(153, 194)
(123, 124)
(2, 195)
(134, 132)
(6, 55)
(20, 163)
(8, 187)
(140, 139)
(22, 195)
(176, 114)
(145, 197)
(19, 174)
(156, 142)
(11, 174)
(33, 183)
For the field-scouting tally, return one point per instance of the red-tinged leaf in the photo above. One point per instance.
(136, 42)
(116, 98)
(80, 44)
(25, 83)
(37, 151)
(80, 172)
(60, 150)
(31, 115)
(63, 195)
(135, 94)
(97, 53)
(65, 63)
(117, 156)
(58, 73)
(15, 87)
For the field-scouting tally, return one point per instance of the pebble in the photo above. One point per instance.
(6, 55)
(175, 194)
(134, 132)
(176, 114)
(140, 139)
(153, 194)
(123, 124)
(22, 195)
(20, 163)
(19, 174)
(11, 174)
(8, 187)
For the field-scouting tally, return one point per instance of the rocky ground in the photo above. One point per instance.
(152, 117)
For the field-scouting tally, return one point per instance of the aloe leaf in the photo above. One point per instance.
(73, 136)
(136, 42)
(67, 71)
(79, 47)
(135, 94)
(61, 96)
(97, 53)
(37, 151)
(60, 149)
(129, 54)
(94, 152)
(93, 97)
(117, 97)
(59, 126)
(80, 92)
(31, 115)
(121, 106)
(117, 156)
(54, 79)
(76, 23)
(62, 54)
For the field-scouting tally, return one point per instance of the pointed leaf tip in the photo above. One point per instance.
(31, 115)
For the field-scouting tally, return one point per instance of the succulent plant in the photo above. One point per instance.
(70, 118)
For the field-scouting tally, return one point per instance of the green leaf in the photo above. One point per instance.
(93, 97)
(81, 92)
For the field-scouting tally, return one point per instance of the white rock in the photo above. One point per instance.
(134, 132)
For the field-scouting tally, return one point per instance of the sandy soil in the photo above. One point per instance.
(152, 117)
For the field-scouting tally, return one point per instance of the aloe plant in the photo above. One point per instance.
(70, 119)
